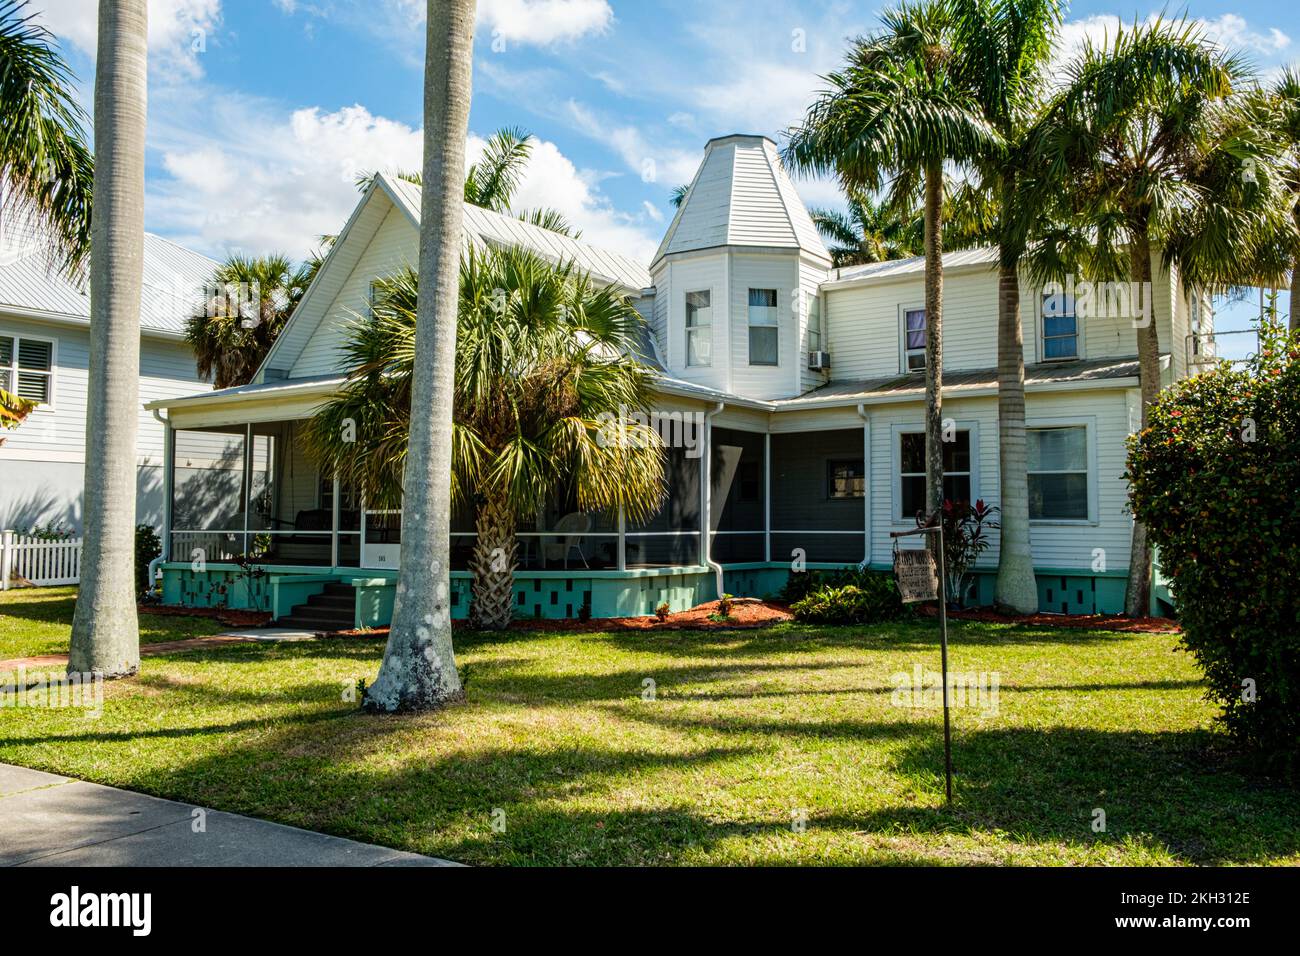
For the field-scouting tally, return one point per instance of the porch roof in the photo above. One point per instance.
(260, 391)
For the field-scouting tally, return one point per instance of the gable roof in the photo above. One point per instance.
(33, 286)
(482, 226)
(977, 257)
(741, 196)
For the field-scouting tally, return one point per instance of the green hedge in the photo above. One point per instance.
(1216, 479)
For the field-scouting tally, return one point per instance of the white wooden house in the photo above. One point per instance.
(44, 356)
(806, 382)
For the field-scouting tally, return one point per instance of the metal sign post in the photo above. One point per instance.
(919, 580)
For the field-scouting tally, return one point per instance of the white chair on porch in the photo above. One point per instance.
(572, 528)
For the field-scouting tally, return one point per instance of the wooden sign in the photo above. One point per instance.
(916, 576)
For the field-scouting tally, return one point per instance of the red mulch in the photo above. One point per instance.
(221, 615)
(1093, 622)
(746, 614)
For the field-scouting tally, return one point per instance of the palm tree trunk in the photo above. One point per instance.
(105, 629)
(1016, 586)
(1294, 324)
(496, 554)
(1137, 594)
(419, 666)
(934, 338)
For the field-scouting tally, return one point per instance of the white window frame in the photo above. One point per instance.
(903, 350)
(1042, 333)
(12, 368)
(896, 466)
(775, 325)
(708, 328)
(814, 333)
(1089, 423)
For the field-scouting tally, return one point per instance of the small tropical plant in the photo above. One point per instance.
(545, 396)
(966, 529)
(662, 611)
(874, 598)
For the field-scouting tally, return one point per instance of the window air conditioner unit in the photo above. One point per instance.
(819, 361)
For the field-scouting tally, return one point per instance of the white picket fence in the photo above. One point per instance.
(25, 560)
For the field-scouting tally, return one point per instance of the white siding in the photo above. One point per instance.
(763, 272)
(396, 244)
(696, 275)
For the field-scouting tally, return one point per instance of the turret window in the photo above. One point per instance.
(763, 329)
(699, 328)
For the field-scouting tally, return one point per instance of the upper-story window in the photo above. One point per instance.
(699, 328)
(1060, 327)
(913, 340)
(27, 368)
(763, 329)
(814, 324)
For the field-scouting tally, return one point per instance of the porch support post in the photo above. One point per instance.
(248, 483)
(334, 523)
(169, 471)
(767, 497)
(866, 484)
(622, 539)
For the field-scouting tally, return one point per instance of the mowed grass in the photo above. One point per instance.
(36, 621)
(748, 734)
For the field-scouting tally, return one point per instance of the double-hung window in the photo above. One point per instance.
(27, 368)
(814, 324)
(699, 328)
(763, 329)
(913, 340)
(956, 471)
(1060, 327)
(1057, 460)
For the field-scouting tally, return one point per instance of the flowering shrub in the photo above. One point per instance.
(965, 538)
(1215, 478)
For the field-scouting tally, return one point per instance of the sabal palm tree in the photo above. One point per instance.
(1008, 44)
(46, 169)
(1144, 118)
(544, 389)
(105, 630)
(869, 231)
(899, 109)
(249, 300)
(492, 181)
(1285, 97)
(419, 666)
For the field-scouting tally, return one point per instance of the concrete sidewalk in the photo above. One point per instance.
(48, 820)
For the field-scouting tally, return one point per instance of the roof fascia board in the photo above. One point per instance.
(63, 318)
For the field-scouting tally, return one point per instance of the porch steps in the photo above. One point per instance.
(332, 610)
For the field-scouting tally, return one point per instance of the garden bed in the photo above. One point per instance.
(226, 616)
(1091, 622)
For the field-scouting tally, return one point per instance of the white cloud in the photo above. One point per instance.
(528, 22)
(1229, 31)
(652, 210)
(653, 163)
(179, 31)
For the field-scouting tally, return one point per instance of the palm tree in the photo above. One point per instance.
(1285, 96)
(14, 410)
(46, 170)
(1141, 123)
(869, 231)
(902, 107)
(105, 631)
(679, 195)
(419, 666)
(543, 383)
(491, 183)
(249, 301)
(1009, 44)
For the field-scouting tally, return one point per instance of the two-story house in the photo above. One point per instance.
(45, 355)
(791, 395)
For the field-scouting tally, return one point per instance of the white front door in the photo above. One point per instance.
(381, 539)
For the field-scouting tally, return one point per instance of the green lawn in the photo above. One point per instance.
(35, 621)
(748, 729)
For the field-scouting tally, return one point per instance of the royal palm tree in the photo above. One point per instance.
(46, 170)
(105, 630)
(419, 666)
(869, 231)
(1008, 44)
(1285, 96)
(900, 108)
(249, 300)
(544, 394)
(1145, 122)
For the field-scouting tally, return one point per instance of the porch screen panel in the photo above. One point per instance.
(291, 513)
(817, 501)
(208, 493)
(737, 498)
(671, 538)
(560, 536)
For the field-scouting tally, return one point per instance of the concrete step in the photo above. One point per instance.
(331, 601)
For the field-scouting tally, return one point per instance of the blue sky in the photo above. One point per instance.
(262, 112)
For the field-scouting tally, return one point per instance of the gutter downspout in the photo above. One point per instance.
(866, 484)
(169, 451)
(706, 481)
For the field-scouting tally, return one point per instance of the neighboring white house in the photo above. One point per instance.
(44, 356)
(806, 382)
